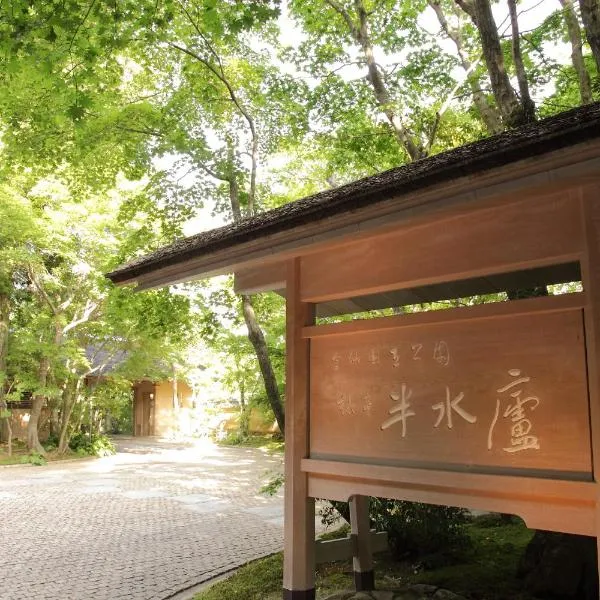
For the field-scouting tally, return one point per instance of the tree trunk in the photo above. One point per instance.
(257, 339)
(70, 398)
(360, 33)
(489, 115)
(175, 392)
(255, 333)
(245, 412)
(506, 99)
(558, 565)
(33, 440)
(4, 329)
(527, 105)
(574, 30)
(382, 95)
(590, 15)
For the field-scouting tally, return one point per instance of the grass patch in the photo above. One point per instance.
(21, 456)
(264, 442)
(255, 581)
(486, 569)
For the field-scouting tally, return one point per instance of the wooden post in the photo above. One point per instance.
(299, 525)
(362, 561)
(590, 275)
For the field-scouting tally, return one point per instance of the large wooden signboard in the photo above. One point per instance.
(491, 395)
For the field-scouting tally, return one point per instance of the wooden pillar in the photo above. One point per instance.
(590, 275)
(362, 556)
(299, 525)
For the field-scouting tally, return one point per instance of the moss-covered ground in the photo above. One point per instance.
(484, 569)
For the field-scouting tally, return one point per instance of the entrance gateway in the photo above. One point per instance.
(490, 407)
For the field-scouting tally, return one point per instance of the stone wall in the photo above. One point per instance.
(413, 592)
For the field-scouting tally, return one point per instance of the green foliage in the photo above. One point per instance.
(415, 530)
(94, 445)
(273, 486)
(34, 458)
(191, 100)
(51, 443)
(234, 438)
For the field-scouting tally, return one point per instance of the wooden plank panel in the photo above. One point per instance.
(567, 517)
(480, 242)
(477, 484)
(504, 393)
(494, 310)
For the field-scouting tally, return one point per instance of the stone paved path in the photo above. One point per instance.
(153, 520)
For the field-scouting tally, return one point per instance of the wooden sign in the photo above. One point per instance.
(489, 395)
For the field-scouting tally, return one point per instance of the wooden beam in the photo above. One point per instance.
(551, 172)
(362, 553)
(549, 304)
(268, 277)
(534, 232)
(343, 548)
(590, 204)
(299, 508)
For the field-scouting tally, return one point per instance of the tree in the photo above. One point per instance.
(513, 111)
(574, 31)
(590, 15)
(345, 35)
(488, 113)
(229, 110)
(18, 231)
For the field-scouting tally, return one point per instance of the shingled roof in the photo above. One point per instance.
(563, 130)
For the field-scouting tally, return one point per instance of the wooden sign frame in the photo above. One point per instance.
(552, 492)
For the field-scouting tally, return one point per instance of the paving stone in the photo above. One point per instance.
(138, 526)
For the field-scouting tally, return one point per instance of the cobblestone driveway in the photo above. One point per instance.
(145, 524)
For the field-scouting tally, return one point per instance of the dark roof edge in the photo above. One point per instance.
(563, 130)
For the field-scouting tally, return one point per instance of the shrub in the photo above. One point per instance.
(415, 530)
(34, 458)
(51, 442)
(97, 445)
(233, 438)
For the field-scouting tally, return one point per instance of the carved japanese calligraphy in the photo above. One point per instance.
(445, 409)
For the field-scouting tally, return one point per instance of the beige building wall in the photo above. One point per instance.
(19, 421)
(168, 421)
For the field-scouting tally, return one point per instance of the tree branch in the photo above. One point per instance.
(80, 25)
(220, 74)
(354, 30)
(211, 172)
(149, 132)
(574, 30)
(41, 290)
(526, 102)
(489, 115)
(89, 309)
